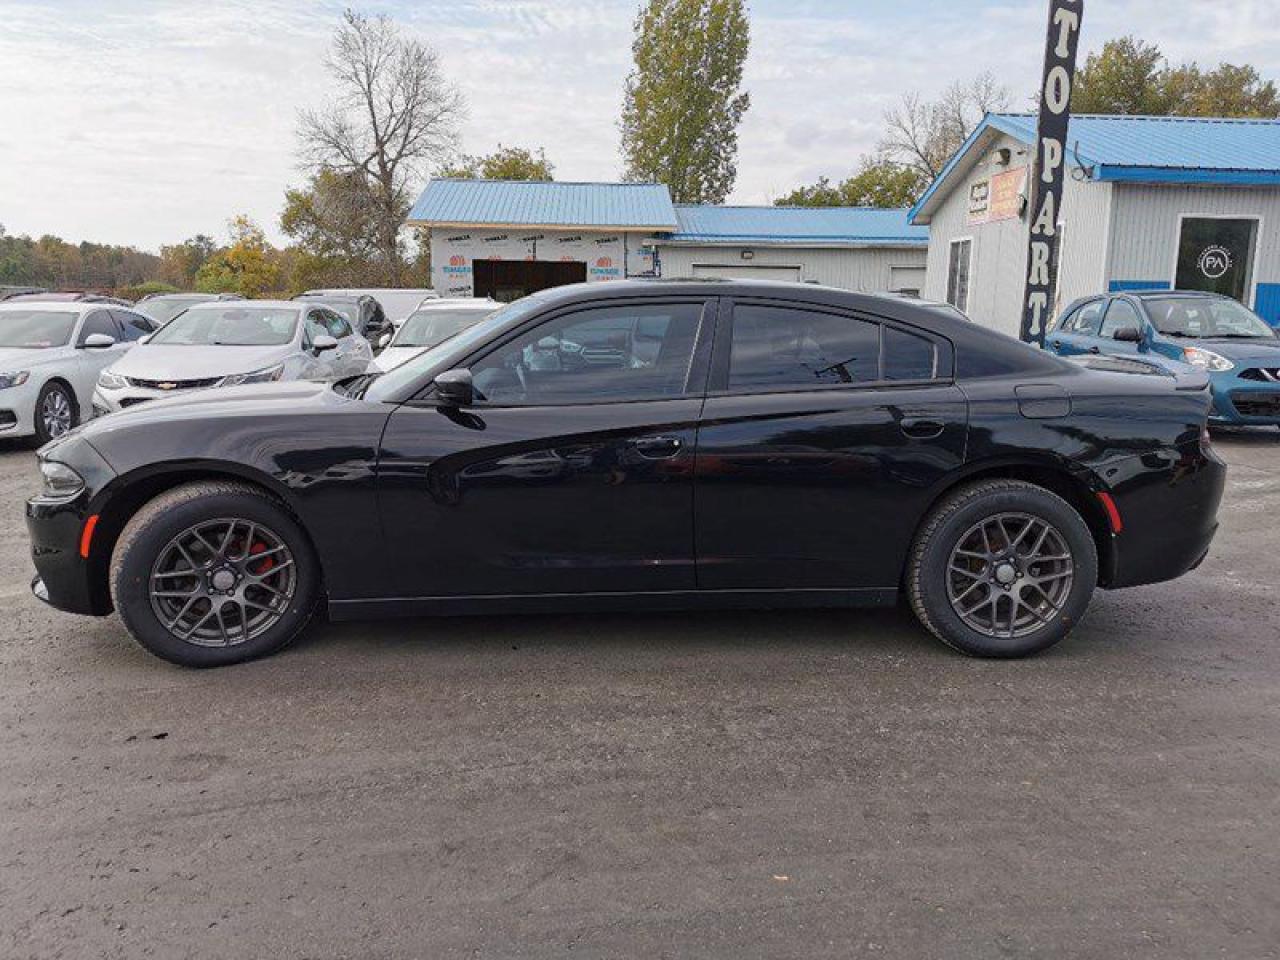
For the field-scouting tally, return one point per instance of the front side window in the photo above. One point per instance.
(99, 322)
(780, 347)
(36, 329)
(233, 324)
(1120, 314)
(1087, 319)
(614, 353)
(961, 255)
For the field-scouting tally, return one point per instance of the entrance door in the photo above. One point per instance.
(1215, 254)
(571, 473)
(507, 280)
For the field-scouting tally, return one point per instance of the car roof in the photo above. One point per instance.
(77, 306)
(1160, 294)
(446, 303)
(242, 304)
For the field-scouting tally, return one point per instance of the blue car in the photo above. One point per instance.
(1230, 342)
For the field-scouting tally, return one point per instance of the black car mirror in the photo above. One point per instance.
(455, 389)
(1128, 335)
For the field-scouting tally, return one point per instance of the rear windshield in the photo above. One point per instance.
(164, 309)
(35, 329)
(238, 324)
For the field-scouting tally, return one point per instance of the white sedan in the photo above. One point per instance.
(432, 323)
(228, 343)
(51, 353)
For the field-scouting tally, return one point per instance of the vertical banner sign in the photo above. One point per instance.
(1051, 165)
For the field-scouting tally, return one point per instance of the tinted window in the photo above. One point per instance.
(907, 357)
(99, 322)
(1120, 314)
(134, 325)
(592, 356)
(787, 347)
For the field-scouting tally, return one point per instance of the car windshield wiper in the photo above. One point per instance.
(356, 386)
(1239, 336)
(1175, 333)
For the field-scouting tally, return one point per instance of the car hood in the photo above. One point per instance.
(158, 361)
(393, 357)
(1266, 352)
(19, 358)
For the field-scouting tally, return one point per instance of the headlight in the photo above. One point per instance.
(15, 379)
(1206, 359)
(265, 375)
(112, 381)
(60, 481)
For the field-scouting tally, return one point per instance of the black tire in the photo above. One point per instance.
(160, 522)
(930, 580)
(54, 393)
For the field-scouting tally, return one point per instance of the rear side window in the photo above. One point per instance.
(908, 357)
(778, 347)
(1120, 314)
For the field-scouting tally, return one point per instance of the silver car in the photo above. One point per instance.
(51, 354)
(228, 343)
(430, 325)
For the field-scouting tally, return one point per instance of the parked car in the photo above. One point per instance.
(430, 325)
(739, 443)
(1217, 334)
(163, 307)
(50, 355)
(397, 302)
(67, 296)
(13, 290)
(230, 343)
(363, 312)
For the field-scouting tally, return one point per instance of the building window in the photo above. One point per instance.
(1215, 254)
(958, 274)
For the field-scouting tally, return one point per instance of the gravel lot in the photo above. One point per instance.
(716, 785)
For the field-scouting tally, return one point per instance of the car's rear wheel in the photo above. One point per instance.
(1002, 568)
(214, 573)
(56, 412)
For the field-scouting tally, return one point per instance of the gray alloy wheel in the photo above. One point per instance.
(222, 582)
(56, 412)
(1009, 575)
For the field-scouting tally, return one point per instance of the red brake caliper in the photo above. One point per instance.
(267, 562)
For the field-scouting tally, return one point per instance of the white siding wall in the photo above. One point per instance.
(865, 269)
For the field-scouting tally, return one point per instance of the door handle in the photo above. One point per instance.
(1094, 350)
(1056, 344)
(657, 448)
(921, 428)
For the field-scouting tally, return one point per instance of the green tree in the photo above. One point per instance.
(878, 182)
(505, 163)
(180, 262)
(334, 224)
(249, 265)
(1130, 76)
(684, 99)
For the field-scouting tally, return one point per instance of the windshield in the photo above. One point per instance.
(164, 309)
(35, 329)
(438, 358)
(1206, 317)
(430, 328)
(230, 325)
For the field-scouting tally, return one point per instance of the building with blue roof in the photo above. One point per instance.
(509, 238)
(1150, 203)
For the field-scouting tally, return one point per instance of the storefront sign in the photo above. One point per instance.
(1051, 163)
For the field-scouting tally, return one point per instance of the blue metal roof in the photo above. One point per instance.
(1204, 150)
(644, 206)
(838, 226)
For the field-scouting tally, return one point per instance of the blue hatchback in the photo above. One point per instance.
(1214, 333)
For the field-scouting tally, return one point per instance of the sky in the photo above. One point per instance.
(148, 121)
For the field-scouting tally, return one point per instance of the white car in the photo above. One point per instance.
(397, 302)
(432, 323)
(51, 353)
(228, 343)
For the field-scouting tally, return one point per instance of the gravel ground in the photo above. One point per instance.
(817, 784)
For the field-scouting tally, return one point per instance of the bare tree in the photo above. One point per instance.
(923, 134)
(394, 116)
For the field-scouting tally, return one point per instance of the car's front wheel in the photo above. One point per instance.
(56, 412)
(1002, 568)
(214, 573)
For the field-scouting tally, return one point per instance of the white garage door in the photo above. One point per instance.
(906, 280)
(744, 271)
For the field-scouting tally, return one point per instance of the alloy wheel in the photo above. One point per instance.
(1009, 575)
(222, 582)
(55, 413)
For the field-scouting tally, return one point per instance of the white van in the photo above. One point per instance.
(397, 302)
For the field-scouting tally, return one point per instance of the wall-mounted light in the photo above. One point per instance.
(748, 254)
(1002, 156)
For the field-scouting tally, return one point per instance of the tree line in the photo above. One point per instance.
(393, 119)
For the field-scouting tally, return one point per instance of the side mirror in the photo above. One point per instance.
(322, 343)
(1128, 335)
(98, 341)
(455, 389)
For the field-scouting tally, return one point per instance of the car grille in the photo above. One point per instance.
(173, 384)
(133, 401)
(1256, 404)
(1264, 374)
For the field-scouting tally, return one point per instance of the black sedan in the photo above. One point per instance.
(641, 445)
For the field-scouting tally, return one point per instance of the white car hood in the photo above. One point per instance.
(160, 361)
(393, 357)
(13, 359)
